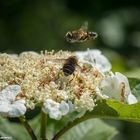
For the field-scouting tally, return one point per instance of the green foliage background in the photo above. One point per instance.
(35, 25)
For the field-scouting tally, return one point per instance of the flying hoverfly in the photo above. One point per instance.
(80, 35)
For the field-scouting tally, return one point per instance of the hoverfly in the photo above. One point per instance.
(69, 65)
(80, 35)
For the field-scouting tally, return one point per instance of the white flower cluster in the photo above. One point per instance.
(32, 79)
(56, 110)
(9, 106)
(113, 86)
(96, 59)
(116, 86)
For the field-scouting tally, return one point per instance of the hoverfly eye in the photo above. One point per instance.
(69, 35)
(94, 34)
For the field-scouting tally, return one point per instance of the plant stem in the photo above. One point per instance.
(69, 126)
(43, 126)
(28, 127)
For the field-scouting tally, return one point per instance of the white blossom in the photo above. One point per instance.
(62, 94)
(9, 106)
(56, 110)
(72, 107)
(99, 94)
(116, 87)
(85, 102)
(95, 58)
(64, 108)
(131, 99)
(40, 79)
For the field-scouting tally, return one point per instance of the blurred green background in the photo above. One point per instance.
(35, 25)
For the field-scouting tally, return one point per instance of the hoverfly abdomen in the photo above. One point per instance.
(69, 66)
(84, 37)
(68, 69)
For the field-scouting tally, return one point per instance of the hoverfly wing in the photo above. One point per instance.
(59, 60)
(84, 26)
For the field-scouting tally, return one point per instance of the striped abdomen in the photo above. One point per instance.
(68, 69)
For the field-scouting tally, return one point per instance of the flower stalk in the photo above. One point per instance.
(69, 126)
(43, 126)
(28, 127)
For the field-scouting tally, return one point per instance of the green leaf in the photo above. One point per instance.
(111, 109)
(90, 130)
(16, 130)
(135, 87)
(54, 126)
(107, 109)
(134, 73)
(13, 130)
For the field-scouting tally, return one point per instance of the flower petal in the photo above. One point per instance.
(10, 92)
(117, 87)
(96, 59)
(49, 105)
(132, 99)
(52, 108)
(55, 114)
(17, 108)
(64, 108)
(4, 108)
(56, 110)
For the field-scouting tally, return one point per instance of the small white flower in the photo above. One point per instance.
(117, 87)
(85, 102)
(64, 108)
(72, 107)
(63, 94)
(31, 53)
(9, 106)
(131, 99)
(95, 58)
(99, 94)
(18, 108)
(56, 110)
